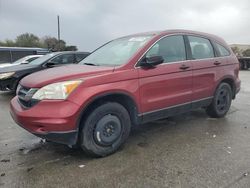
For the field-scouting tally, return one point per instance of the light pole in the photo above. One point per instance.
(58, 31)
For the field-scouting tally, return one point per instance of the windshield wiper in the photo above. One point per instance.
(91, 64)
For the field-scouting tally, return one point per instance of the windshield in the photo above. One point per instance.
(24, 59)
(42, 59)
(116, 52)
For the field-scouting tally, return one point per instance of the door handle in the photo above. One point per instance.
(184, 67)
(217, 63)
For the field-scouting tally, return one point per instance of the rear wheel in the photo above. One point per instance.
(221, 101)
(241, 66)
(105, 129)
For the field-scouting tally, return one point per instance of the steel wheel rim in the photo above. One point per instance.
(107, 130)
(222, 100)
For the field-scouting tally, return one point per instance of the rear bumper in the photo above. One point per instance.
(238, 86)
(8, 84)
(237, 90)
(57, 122)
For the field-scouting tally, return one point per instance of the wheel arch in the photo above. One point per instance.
(230, 81)
(122, 98)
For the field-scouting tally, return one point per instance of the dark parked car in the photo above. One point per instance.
(244, 63)
(11, 75)
(128, 81)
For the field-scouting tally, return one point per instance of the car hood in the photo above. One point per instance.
(69, 72)
(6, 65)
(16, 67)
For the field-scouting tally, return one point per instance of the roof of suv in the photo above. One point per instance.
(181, 31)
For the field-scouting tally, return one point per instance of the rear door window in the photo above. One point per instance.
(171, 48)
(201, 48)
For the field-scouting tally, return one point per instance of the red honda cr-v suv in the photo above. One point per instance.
(128, 81)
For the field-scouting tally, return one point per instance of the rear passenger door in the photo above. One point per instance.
(166, 89)
(206, 66)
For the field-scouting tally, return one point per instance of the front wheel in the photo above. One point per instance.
(105, 129)
(221, 101)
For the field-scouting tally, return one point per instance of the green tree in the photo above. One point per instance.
(31, 40)
(8, 43)
(70, 48)
(61, 45)
(246, 53)
(53, 44)
(236, 50)
(49, 42)
(28, 40)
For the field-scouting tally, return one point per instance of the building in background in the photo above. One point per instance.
(238, 49)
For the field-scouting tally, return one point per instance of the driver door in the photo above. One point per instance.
(166, 89)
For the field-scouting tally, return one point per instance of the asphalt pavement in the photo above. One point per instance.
(189, 150)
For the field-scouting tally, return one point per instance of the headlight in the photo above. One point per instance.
(60, 90)
(6, 75)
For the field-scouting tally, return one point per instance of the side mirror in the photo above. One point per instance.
(152, 61)
(50, 64)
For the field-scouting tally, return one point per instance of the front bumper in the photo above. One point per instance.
(8, 84)
(56, 121)
(68, 138)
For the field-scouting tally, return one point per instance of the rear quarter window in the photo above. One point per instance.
(222, 50)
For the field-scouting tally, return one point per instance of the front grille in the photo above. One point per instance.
(25, 96)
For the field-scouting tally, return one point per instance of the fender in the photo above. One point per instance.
(135, 118)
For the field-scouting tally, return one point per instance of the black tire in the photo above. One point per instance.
(105, 129)
(221, 102)
(241, 66)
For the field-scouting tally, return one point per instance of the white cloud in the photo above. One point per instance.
(89, 23)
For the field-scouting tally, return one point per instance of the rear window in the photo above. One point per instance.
(222, 50)
(201, 48)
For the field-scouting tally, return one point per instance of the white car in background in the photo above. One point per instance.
(24, 60)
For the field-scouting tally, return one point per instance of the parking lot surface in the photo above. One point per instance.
(189, 150)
